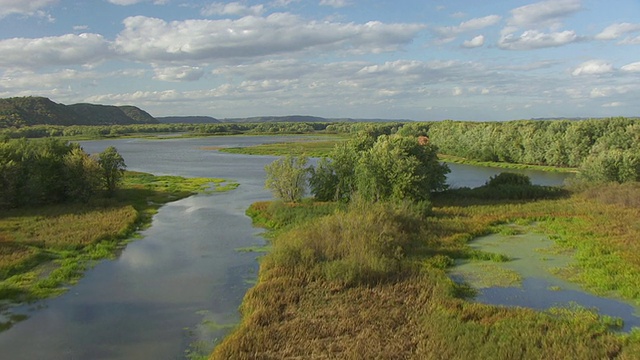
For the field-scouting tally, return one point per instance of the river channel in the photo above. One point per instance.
(182, 282)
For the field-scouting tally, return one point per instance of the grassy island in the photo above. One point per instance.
(359, 282)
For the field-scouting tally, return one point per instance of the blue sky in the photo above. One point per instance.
(420, 60)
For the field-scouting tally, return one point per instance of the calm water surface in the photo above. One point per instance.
(151, 302)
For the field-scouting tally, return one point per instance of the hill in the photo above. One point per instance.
(187, 120)
(34, 110)
(27, 111)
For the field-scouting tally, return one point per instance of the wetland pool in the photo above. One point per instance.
(529, 278)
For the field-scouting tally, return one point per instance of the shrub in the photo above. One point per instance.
(508, 178)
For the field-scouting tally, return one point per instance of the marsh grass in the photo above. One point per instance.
(309, 147)
(361, 284)
(44, 249)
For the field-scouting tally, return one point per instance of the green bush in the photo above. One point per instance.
(508, 178)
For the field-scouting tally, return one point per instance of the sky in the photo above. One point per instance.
(386, 59)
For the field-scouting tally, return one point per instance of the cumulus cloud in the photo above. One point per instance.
(593, 67)
(533, 39)
(448, 33)
(70, 49)
(633, 67)
(617, 30)
(232, 8)
(156, 40)
(335, 3)
(544, 14)
(474, 43)
(24, 7)
(178, 73)
(540, 23)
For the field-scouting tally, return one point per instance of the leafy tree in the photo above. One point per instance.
(82, 175)
(389, 167)
(286, 177)
(113, 166)
(399, 168)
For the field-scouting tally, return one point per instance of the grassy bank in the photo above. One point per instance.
(44, 249)
(370, 282)
(313, 147)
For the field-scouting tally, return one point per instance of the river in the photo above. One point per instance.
(184, 280)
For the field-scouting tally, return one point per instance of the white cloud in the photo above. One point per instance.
(533, 39)
(335, 3)
(633, 67)
(156, 40)
(544, 14)
(24, 7)
(232, 8)
(613, 104)
(30, 80)
(540, 23)
(474, 43)
(593, 67)
(133, 2)
(448, 33)
(282, 3)
(70, 49)
(631, 41)
(615, 31)
(178, 73)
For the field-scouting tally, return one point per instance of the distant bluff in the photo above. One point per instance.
(34, 110)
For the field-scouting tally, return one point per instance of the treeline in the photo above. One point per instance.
(54, 171)
(41, 131)
(603, 149)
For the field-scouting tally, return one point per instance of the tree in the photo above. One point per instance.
(399, 168)
(286, 177)
(390, 167)
(112, 165)
(82, 175)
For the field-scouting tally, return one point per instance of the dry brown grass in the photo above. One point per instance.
(416, 313)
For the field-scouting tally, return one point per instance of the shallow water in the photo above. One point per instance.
(184, 280)
(534, 259)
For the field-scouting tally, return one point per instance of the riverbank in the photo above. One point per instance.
(41, 253)
(387, 294)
